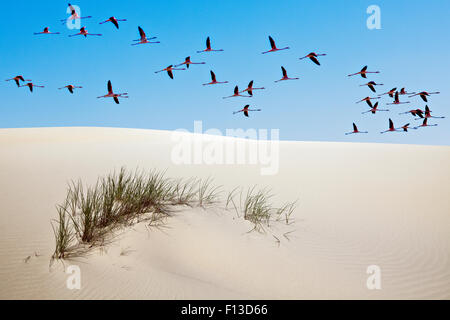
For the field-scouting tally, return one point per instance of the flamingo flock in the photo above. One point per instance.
(395, 94)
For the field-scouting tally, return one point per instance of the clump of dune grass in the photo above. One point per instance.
(256, 206)
(207, 193)
(184, 192)
(90, 213)
(63, 231)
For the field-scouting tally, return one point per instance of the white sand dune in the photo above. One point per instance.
(359, 205)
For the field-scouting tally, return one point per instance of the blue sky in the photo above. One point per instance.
(411, 50)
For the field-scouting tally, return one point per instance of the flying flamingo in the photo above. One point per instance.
(188, 62)
(208, 47)
(213, 80)
(113, 95)
(17, 79)
(169, 70)
(355, 130)
(396, 100)
(363, 72)
(374, 109)
(390, 93)
(391, 127)
(424, 95)
(46, 31)
(246, 110)
(405, 127)
(144, 39)
(425, 124)
(403, 92)
(85, 33)
(368, 100)
(114, 21)
(30, 85)
(372, 85)
(285, 76)
(428, 114)
(416, 112)
(313, 56)
(250, 88)
(74, 15)
(273, 46)
(236, 94)
(70, 88)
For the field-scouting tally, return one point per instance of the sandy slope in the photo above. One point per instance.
(360, 204)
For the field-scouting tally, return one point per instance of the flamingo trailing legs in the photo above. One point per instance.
(355, 130)
(31, 85)
(114, 21)
(169, 70)
(113, 95)
(70, 88)
(285, 76)
(250, 88)
(236, 94)
(214, 80)
(73, 15)
(273, 46)
(187, 62)
(246, 110)
(313, 57)
(424, 95)
(363, 72)
(143, 38)
(209, 48)
(374, 109)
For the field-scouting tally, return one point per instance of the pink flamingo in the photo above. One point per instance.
(403, 92)
(169, 70)
(114, 21)
(374, 109)
(372, 85)
(144, 39)
(391, 127)
(246, 110)
(405, 127)
(424, 95)
(285, 76)
(74, 15)
(313, 56)
(30, 85)
(425, 124)
(208, 47)
(390, 93)
(355, 130)
(70, 88)
(236, 94)
(46, 31)
(250, 88)
(363, 72)
(113, 95)
(213, 80)
(188, 62)
(17, 79)
(397, 100)
(273, 46)
(85, 33)
(428, 114)
(368, 100)
(416, 112)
